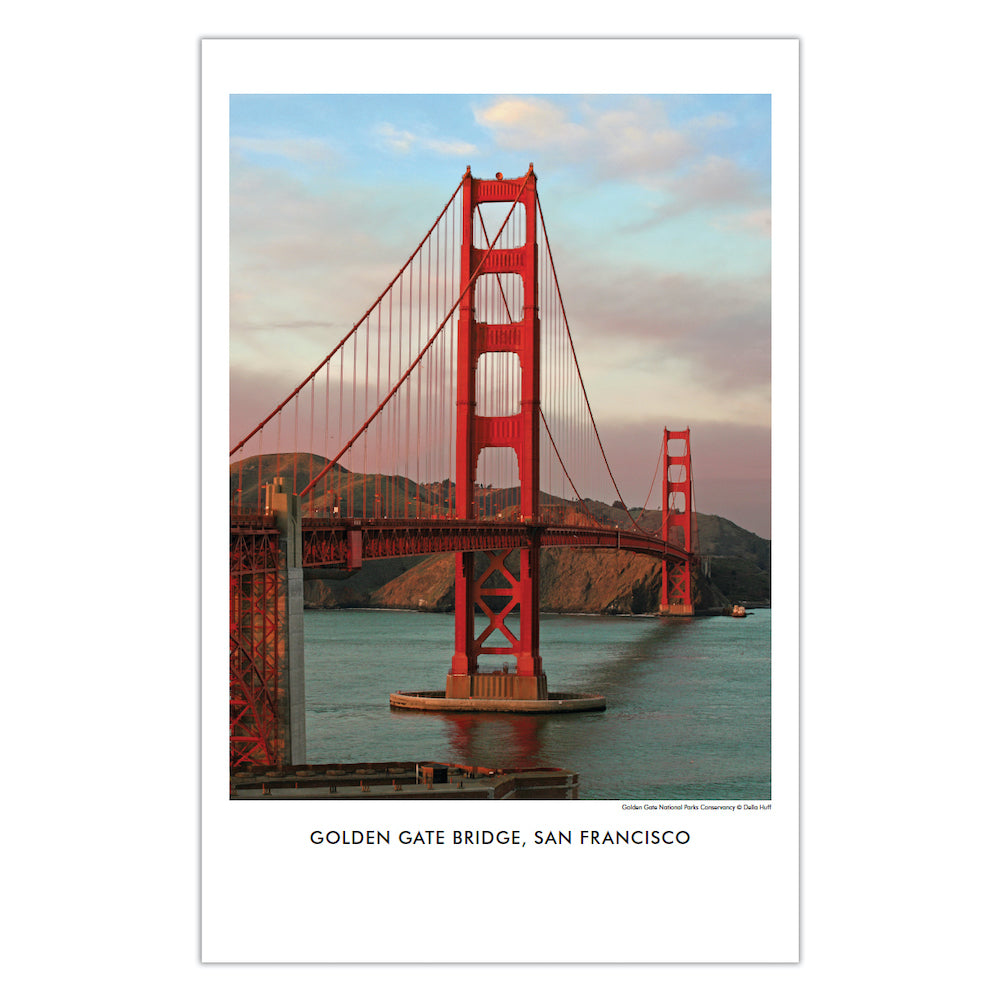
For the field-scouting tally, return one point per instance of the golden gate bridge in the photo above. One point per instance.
(458, 420)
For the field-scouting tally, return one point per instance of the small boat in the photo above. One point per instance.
(739, 612)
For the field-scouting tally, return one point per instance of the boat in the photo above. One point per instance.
(739, 612)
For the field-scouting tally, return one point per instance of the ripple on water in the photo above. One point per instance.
(688, 701)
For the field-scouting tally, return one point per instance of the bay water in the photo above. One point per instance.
(688, 701)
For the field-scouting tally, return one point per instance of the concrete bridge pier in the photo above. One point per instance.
(680, 609)
(287, 510)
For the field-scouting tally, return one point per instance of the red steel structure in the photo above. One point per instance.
(348, 543)
(517, 585)
(679, 525)
(446, 432)
(258, 595)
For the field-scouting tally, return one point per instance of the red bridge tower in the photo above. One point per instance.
(516, 584)
(679, 526)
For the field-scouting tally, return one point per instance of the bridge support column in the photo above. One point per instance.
(508, 582)
(267, 647)
(458, 684)
(286, 507)
(296, 668)
(513, 589)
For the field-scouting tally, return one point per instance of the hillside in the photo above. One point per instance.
(736, 564)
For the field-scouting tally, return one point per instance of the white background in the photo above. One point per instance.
(738, 876)
(101, 406)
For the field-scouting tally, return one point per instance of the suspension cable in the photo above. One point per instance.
(424, 350)
(576, 363)
(347, 336)
(555, 449)
(653, 481)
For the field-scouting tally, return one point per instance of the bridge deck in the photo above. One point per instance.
(340, 542)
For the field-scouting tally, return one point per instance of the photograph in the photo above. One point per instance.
(500, 446)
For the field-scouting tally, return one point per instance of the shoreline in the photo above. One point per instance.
(543, 611)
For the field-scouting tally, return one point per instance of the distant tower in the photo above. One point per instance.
(678, 523)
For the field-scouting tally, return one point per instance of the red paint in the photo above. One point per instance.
(256, 606)
(325, 541)
(678, 519)
(519, 431)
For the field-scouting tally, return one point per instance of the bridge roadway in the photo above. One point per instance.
(330, 542)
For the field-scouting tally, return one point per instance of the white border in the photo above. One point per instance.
(738, 878)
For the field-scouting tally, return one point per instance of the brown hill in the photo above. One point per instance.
(572, 580)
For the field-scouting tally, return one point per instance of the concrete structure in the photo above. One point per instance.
(288, 513)
(555, 702)
(402, 780)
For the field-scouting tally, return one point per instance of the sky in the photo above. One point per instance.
(658, 211)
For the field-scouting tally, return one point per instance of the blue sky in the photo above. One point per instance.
(658, 211)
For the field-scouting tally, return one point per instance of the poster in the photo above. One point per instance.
(350, 876)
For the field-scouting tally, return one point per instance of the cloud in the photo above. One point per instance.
(756, 221)
(711, 122)
(403, 141)
(285, 325)
(717, 328)
(527, 122)
(634, 140)
(305, 264)
(631, 142)
(450, 147)
(712, 184)
(310, 150)
(396, 139)
(715, 180)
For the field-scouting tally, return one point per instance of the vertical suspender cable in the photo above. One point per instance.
(419, 414)
(451, 403)
(432, 338)
(349, 334)
(326, 432)
(364, 447)
(409, 360)
(436, 382)
(354, 419)
(295, 446)
(340, 438)
(277, 460)
(312, 421)
(399, 448)
(391, 504)
(260, 471)
(378, 430)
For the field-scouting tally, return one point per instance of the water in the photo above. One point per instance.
(688, 715)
